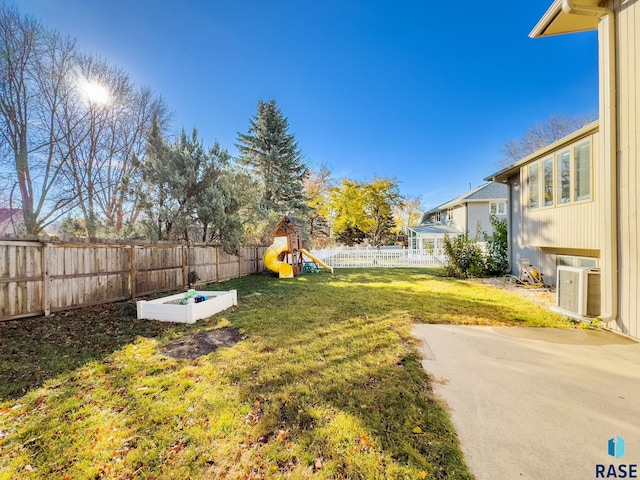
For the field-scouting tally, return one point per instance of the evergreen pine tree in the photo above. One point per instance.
(273, 154)
(190, 188)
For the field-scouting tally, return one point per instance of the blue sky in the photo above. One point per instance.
(406, 89)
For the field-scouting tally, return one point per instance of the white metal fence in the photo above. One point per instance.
(382, 258)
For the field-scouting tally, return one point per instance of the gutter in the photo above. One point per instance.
(608, 112)
(502, 175)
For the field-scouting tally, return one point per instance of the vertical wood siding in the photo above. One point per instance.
(520, 249)
(75, 275)
(628, 86)
(571, 226)
(537, 233)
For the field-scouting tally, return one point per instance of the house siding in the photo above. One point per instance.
(628, 140)
(566, 226)
(479, 212)
(459, 218)
(520, 249)
(541, 234)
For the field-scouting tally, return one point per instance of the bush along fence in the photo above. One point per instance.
(45, 276)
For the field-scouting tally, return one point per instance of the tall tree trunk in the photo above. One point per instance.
(26, 188)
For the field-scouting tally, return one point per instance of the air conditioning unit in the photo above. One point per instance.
(578, 290)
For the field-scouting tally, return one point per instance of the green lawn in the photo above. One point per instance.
(326, 384)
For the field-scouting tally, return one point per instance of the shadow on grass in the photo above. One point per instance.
(35, 349)
(339, 348)
(329, 360)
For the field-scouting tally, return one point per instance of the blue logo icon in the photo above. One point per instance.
(616, 446)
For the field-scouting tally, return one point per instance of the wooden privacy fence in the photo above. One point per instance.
(40, 277)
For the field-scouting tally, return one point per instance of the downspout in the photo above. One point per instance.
(509, 223)
(608, 112)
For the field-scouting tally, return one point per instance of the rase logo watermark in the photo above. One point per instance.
(615, 448)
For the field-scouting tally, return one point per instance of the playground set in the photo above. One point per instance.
(285, 256)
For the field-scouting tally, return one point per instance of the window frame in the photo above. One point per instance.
(531, 189)
(539, 188)
(548, 181)
(497, 208)
(577, 261)
(589, 165)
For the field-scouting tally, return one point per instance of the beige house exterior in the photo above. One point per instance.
(554, 197)
(605, 226)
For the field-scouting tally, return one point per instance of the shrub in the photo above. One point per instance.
(497, 247)
(465, 257)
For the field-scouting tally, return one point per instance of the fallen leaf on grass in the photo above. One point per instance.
(423, 474)
(177, 448)
(417, 430)
(237, 454)
(319, 463)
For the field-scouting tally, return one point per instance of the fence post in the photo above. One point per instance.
(217, 262)
(134, 273)
(46, 258)
(185, 266)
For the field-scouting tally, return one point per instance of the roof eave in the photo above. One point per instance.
(503, 175)
(556, 22)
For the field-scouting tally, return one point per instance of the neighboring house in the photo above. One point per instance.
(592, 219)
(469, 212)
(11, 222)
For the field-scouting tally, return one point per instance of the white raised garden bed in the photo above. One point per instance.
(166, 309)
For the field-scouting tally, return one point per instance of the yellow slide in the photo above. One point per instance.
(271, 261)
(316, 259)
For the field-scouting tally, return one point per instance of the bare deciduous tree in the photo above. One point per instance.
(33, 65)
(106, 127)
(74, 127)
(540, 135)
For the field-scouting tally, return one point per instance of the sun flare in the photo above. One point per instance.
(94, 92)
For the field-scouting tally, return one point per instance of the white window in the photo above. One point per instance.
(533, 184)
(498, 208)
(547, 181)
(450, 214)
(564, 176)
(428, 244)
(571, 261)
(582, 162)
(561, 180)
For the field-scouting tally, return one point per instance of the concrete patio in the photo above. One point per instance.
(536, 403)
